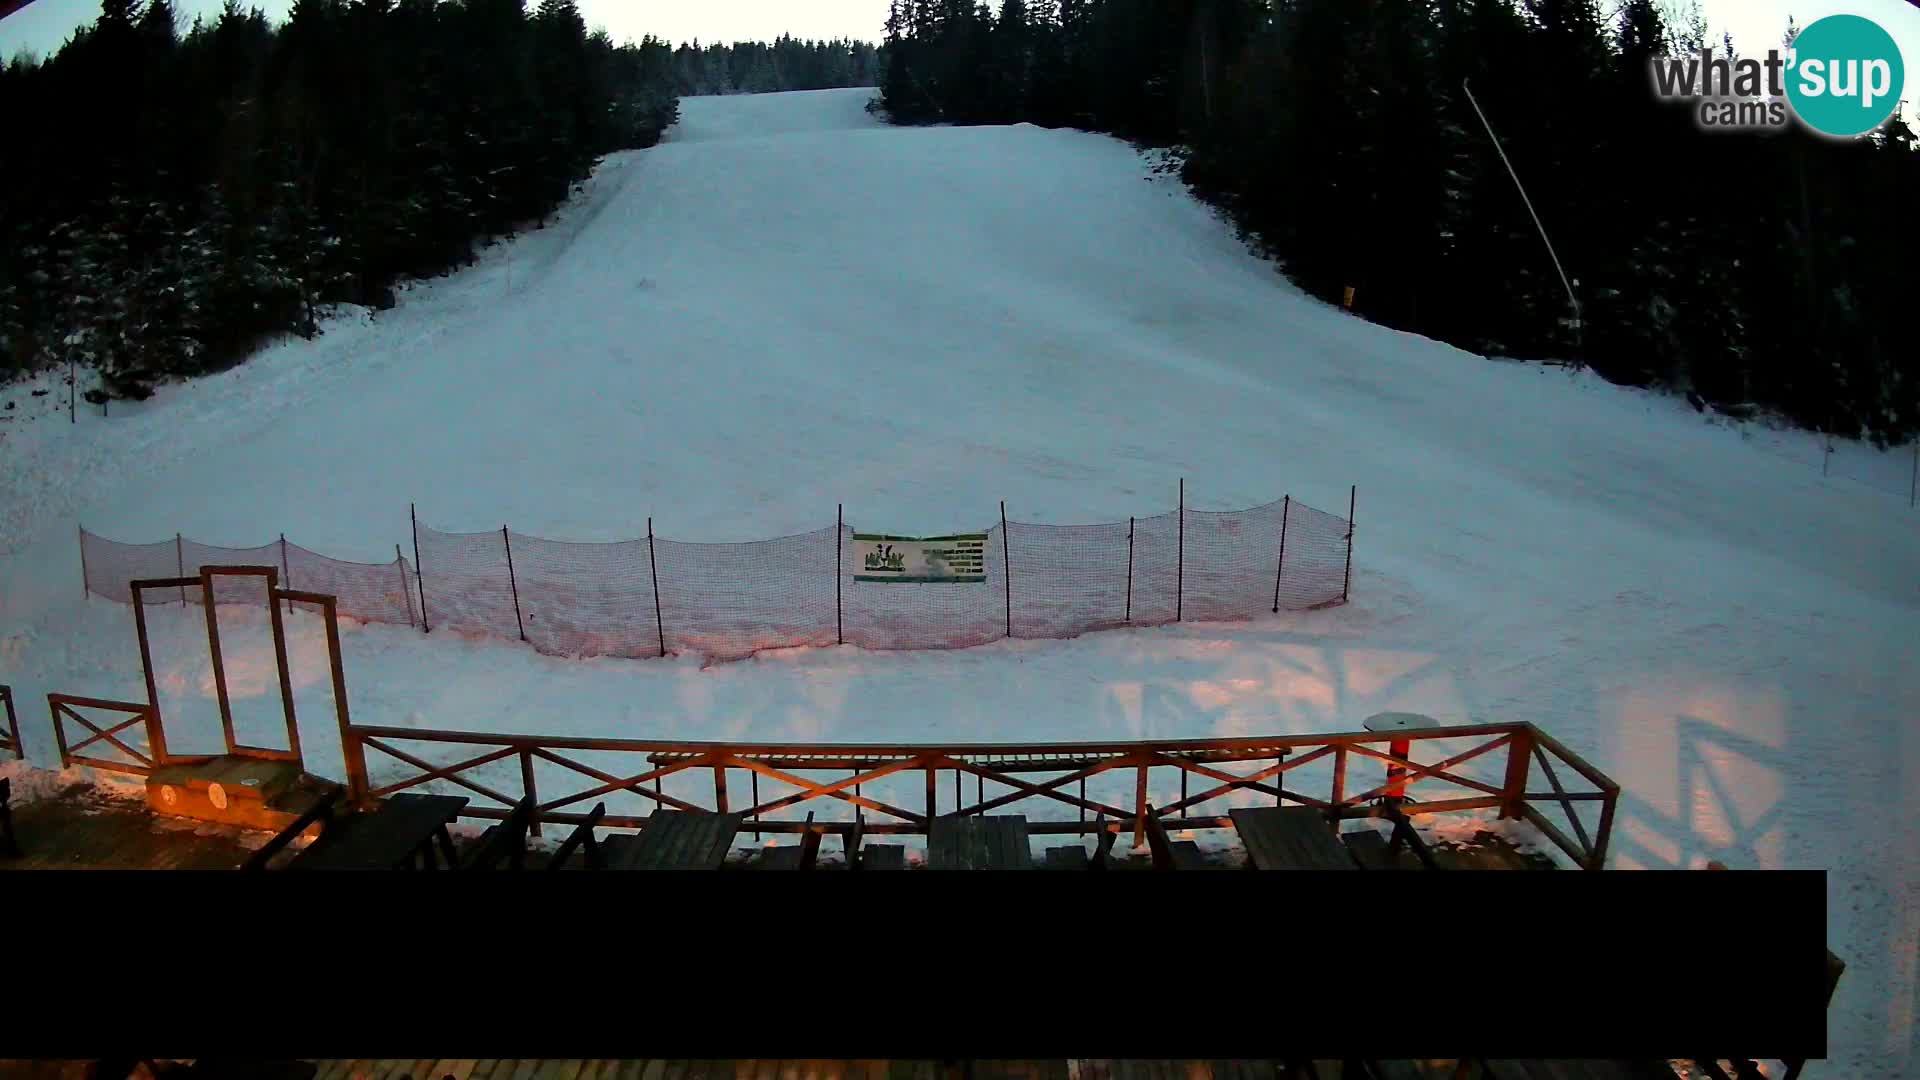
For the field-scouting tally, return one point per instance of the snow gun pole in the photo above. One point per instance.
(419, 576)
(1286, 505)
(653, 568)
(1572, 300)
(1346, 583)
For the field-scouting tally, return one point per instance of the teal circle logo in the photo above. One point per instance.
(1846, 76)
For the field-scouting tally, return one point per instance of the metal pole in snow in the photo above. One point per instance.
(1180, 562)
(1006, 575)
(1913, 485)
(419, 571)
(839, 542)
(1568, 285)
(1346, 583)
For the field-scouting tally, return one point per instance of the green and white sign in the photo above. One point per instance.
(920, 558)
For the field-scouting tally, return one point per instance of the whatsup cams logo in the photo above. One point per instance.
(1842, 76)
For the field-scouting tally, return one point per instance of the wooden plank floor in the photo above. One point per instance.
(83, 828)
(1063, 1069)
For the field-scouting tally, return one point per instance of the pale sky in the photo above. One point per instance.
(1756, 24)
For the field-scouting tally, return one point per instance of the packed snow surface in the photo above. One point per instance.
(786, 306)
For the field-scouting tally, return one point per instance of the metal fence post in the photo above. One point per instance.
(86, 586)
(1285, 506)
(1346, 583)
(653, 569)
(1129, 615)
(839, 542)
(285, 573)
(419, 571)
(1006, 565)
(1179, 567)
(513, 584)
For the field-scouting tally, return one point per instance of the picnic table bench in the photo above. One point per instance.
(675, 840)
(397, 835)
(979, 842)
(1289, 838)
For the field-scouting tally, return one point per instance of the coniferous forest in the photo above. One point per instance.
(1748, 269)
(174, 197)
(754, 67)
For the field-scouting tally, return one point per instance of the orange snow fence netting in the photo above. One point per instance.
(652, 596)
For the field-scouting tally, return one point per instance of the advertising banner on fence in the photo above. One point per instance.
(920, 558)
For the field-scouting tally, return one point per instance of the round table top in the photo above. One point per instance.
(1399, 721)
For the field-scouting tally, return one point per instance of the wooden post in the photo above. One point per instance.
(180, 564)
(1140, 808)
(351, 751)
(932, 803)
(1339, 777)
(720, 789)
(1353, 493)
(1286, 506)
(513, 583)
(1179, 577)
(60, 734)
(1602, 833)
(419, 571)
(213, 653)
(286, 674)
(156, 731)
(1129, 614)
(526, 780)
(1519, 758)
(1006, 565)
(839, 543)
(653, 569)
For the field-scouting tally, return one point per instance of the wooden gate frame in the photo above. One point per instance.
(276, 596)
(10, 738)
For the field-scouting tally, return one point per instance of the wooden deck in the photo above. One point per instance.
(83, 828)
(1058, 1069)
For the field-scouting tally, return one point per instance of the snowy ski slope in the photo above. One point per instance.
(786, 306)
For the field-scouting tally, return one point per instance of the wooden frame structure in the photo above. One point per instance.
(10, 736)
(67, 708)
(1011, 767)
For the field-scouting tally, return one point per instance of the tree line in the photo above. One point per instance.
(756, 67)
(1750, 269)
(171, 200)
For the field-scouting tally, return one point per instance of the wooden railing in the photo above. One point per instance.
(10, 736)
(66, 708)
(1011, 771)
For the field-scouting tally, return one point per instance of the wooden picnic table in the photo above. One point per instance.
(1289, 838)
(677, 840)
(978, 842)
(402, 830)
